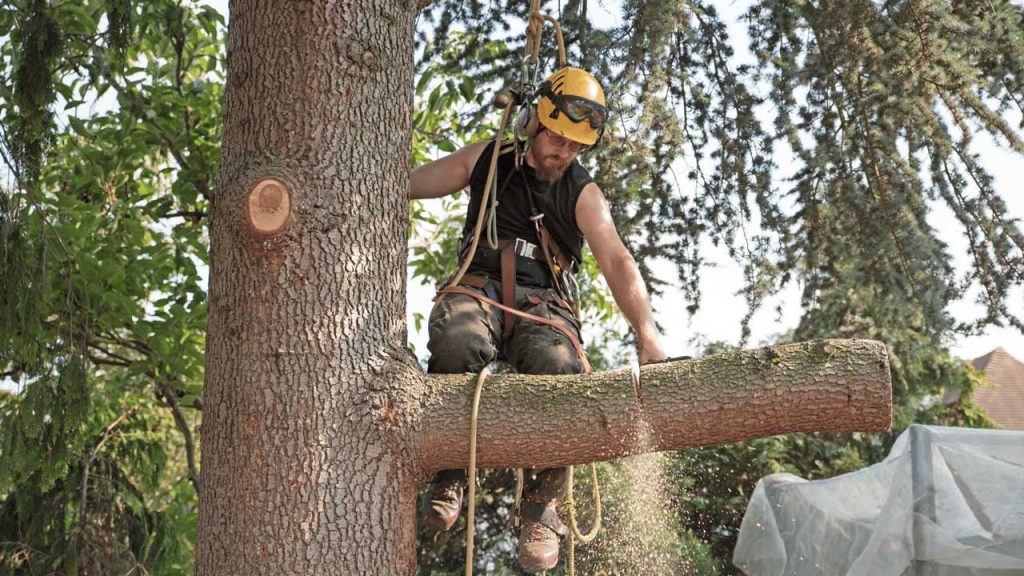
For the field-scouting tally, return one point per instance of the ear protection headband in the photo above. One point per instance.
(527, 123)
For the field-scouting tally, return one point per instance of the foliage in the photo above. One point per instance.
(111, 151)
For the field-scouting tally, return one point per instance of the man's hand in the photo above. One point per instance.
(650, 350)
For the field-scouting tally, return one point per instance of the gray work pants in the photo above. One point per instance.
(466, 335)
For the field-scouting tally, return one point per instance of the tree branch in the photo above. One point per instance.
(193, 215)
(545, 421)
(169, 396)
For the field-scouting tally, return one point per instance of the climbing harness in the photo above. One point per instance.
(561, 270)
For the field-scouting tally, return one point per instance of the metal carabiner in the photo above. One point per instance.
(573, 288)
(527, 79)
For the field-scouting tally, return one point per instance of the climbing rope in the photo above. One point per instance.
(534, 32)
(481, 217)
(575, 534)
(471, 513)
(574, 529)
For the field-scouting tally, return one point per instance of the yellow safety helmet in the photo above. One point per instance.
(571, 104)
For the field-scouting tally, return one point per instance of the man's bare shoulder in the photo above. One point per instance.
(471, 154)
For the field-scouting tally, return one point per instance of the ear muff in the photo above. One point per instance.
(526, 122)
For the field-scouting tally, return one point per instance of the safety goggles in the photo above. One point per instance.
(577, 108)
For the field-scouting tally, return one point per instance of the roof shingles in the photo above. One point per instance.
(1004, 402)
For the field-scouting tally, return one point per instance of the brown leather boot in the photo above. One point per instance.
(538, 536)
(444, 499)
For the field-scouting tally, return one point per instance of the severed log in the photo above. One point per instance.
(544, 421)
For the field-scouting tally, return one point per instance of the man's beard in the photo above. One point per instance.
(550, 173)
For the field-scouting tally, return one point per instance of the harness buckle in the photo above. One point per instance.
(524, 248)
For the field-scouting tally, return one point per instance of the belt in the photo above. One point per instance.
(531, 268)
(520, 247)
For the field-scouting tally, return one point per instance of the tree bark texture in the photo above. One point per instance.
(824, 386)
(307, 460)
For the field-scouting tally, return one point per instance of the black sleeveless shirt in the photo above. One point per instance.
(556, 200)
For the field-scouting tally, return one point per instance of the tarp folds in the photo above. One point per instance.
(945, 502)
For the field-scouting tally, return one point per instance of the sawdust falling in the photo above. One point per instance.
(643, 540)
(643, 532)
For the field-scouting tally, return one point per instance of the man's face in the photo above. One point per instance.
(552, 155)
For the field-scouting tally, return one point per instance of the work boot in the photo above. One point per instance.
(444, 499)
(538, 536)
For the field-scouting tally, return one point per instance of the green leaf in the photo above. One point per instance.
(76, 18)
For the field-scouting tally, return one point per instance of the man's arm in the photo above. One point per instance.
(619, 269)
(445, 175)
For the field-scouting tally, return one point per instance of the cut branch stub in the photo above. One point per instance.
(268, 206)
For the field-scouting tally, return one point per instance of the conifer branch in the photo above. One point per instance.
(84, 490)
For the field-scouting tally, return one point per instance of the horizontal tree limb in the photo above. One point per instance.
(544, 421)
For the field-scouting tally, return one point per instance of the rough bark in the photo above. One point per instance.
(306, 452)
(825, 386)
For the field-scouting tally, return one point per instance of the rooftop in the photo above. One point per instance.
(1004, 402)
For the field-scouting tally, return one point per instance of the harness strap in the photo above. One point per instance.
(558, 265)
(568, 334)
(553, 252)
(508, 287)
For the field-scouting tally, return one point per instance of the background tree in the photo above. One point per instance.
(111, 119)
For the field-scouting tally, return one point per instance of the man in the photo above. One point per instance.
(547, 205)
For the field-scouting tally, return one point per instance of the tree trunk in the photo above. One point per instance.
(318, 425)
(307, 460)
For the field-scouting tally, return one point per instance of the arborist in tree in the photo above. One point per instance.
(517, 300)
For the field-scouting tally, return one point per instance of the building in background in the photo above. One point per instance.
(1004, 400)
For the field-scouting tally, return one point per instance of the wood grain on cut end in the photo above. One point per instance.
(269, 206)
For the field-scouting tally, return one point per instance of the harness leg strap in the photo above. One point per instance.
(508, 287)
